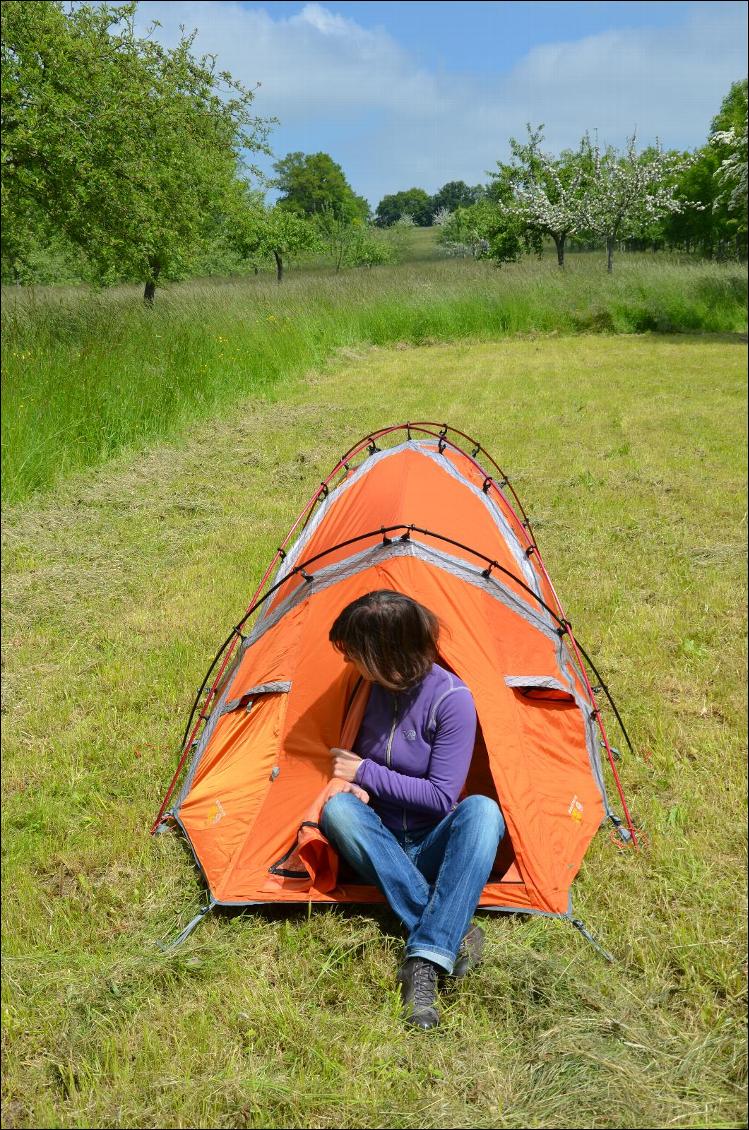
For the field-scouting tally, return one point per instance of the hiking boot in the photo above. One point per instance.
(418, 983)
(469, 954)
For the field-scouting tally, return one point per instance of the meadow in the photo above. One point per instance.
(154, 461)
(88, 373)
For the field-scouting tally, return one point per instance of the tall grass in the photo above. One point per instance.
(88, 373)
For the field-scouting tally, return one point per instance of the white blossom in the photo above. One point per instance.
(630, 191)
(732, 173)
(544, 198)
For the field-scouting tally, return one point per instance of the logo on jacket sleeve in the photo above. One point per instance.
(409, 735)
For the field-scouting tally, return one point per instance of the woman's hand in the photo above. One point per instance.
(360, 794)
(345, 764)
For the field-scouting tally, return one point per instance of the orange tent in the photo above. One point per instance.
(426, 518)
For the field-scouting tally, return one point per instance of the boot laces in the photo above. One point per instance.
(424, 983)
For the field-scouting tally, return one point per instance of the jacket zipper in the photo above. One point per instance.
(389, 749)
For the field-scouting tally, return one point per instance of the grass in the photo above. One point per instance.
(628, 452)
(89, 374)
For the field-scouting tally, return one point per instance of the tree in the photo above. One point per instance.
(399, 236)
(414, 202)
(337, 234)
(728, 141)
(492, 228)
(123, 146)
(549, 193)
(351, 243)
(708, 223)
(629, 191)
(697, 226)
(314, 183)
(732, 174)
(260, 232)
(368, 249)
(456, 194)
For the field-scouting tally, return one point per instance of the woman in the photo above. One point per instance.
(399, 824)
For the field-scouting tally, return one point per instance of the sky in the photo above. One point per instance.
(405, 94)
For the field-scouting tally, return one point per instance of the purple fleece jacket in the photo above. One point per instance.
(417, 748)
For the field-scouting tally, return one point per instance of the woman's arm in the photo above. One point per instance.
(450, 760)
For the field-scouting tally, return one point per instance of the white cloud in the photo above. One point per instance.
(310, 64)
(391, 123)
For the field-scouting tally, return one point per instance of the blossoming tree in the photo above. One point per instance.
(629, 191)
(732, 174)
(549, 193)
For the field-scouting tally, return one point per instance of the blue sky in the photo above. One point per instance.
(419, 93)
(487, 37)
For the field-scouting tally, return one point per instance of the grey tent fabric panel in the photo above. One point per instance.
(364, 559)
(281, 687)
(546, 682)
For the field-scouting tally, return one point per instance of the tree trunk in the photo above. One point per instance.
(150, 290)
(559, 241)
(279, 266)
(610, 254)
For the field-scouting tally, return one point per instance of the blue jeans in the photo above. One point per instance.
(432, 880)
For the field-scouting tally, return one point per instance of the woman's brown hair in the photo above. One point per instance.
(392, 636)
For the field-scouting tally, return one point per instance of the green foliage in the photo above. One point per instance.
(631, 192)
(276, 232)
(46, 258)
(711, 223)
(456, 194)
(351, 243)
(368, 249)
(493, 228)
(124, 148)
(698, 226)
(414, 202)
(314, 183)
(421, 207)
(732, 113)
(462, 232)
(729, 140)
(540, 195)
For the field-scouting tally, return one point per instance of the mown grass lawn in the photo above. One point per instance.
(629, 455)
